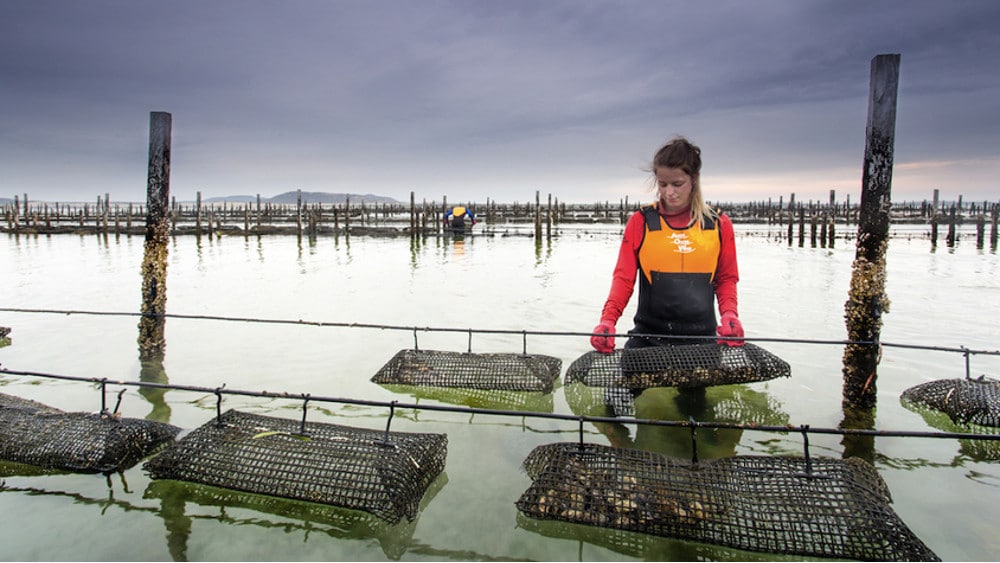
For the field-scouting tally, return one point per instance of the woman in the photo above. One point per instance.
(686, 254)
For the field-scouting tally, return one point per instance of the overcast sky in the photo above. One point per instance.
(496, 99)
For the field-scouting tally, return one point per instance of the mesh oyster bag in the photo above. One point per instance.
(965, 401)
(823, 507)
(382, 473)
(682, 365)
(533, 401)
(436, 368)
(35, 434)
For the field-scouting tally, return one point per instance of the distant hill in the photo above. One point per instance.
(307, 197)
(6, 201)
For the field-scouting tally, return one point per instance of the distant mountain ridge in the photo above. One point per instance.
(307, 197)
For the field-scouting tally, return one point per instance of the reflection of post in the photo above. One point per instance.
(859, 445)
(154, 263)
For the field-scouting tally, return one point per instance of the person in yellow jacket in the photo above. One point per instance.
(454, 218)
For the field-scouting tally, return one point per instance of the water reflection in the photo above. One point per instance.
(969, 450)
(289, 516)
(641, 546)
(859, 445)
(151, 370)
(723, 403)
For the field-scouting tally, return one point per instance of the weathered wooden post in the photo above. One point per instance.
(802, 226)
(258, 214)
(413, 214)
(197, 214)
(298, 213)
(832, 231)
(538, 215)
(952, 221)
(994, 211)
(548, 220)
(154, 260)
(866, 299)
(980, 228)
(347, 216)
(813, 219)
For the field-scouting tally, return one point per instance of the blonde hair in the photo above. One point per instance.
(681, 153)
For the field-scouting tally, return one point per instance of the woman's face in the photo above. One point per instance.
(674, 186)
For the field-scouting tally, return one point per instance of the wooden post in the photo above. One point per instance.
(952, 221)
(154, 261)
(548, 219)
(197, 214)
(934, 220)
(258, 213)
(994, 211)
(812, 229)
(413, 214)
(866, 299)
(347, 216)
(980, 229)
(538, 216)
(802, 226)
(298, 213)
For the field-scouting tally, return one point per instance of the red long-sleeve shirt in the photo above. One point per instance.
(623, 279)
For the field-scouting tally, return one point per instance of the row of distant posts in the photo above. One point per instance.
(314, 218)
(822, 221)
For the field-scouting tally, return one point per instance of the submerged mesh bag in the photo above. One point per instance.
(36, 434)
(826, 508)
(682, 365)
(534, 401)
(965, 401)
(975, 448)
(385, 474)
(643, 547)
(730, 403)
(513, 372)
(292, 515)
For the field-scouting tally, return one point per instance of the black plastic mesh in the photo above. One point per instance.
(965, 401)
(826, 508)
(683, 365)
(533, 401)
(36, 434)
(385, 474)
(513, 372)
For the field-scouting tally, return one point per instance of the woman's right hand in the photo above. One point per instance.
(602, 341)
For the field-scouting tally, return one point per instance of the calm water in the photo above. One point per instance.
(944, 490)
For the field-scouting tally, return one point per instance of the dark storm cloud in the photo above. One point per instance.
(496, 99)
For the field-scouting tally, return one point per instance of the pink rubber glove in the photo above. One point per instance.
(730, 326)
(603, 344)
